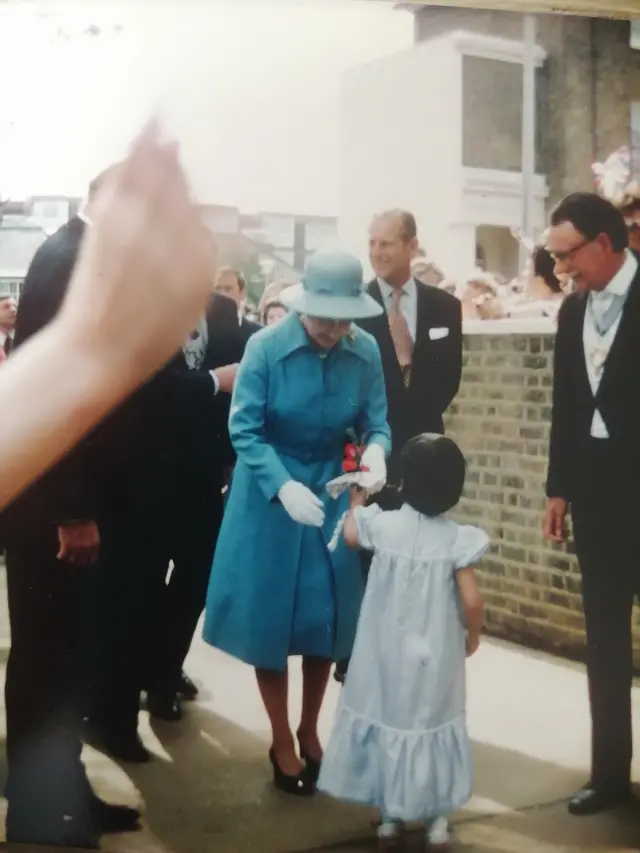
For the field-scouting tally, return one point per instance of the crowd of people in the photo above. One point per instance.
(539, 289)
(205, 489)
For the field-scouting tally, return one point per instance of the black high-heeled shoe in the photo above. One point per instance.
(311, 765)
(311, 768)
(298, 785)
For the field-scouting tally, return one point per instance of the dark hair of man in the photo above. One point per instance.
(592, 215)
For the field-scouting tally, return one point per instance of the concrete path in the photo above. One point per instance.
(208, 788)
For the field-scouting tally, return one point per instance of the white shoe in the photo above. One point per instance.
(438, 834)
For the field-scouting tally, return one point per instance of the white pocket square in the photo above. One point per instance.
(437, 333)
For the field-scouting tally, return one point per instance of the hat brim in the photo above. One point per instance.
(329, 307)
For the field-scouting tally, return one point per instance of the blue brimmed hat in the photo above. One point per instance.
(332, 288)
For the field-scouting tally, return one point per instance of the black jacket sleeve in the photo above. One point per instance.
(187, 410)
(63, 494)
(449, 385)
(560, 471)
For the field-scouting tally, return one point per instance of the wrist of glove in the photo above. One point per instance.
(301, 504)
(373, 459)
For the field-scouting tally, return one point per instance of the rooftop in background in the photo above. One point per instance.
(18, 244)
(624, 9)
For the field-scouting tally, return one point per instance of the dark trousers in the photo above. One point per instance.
(144, 624)
(605, 515)
(178, 603)
(46, 609)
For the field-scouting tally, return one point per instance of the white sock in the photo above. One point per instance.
(389, 828)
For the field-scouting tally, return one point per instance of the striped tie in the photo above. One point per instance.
(400, 335)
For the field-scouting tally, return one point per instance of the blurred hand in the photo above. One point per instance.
(143, 275)
(226, 377)
(79, 543)
(555, 520)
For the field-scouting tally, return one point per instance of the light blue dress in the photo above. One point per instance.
(399, 740)
(275, 590)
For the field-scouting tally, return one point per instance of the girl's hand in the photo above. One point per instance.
(357, 497)
(473, 643)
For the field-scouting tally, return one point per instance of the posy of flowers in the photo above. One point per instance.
(352, 461)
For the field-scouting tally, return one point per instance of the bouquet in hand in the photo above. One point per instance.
(355, 474)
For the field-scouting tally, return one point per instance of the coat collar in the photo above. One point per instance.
(293, 337)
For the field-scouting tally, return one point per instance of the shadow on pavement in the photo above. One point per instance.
(213, 792)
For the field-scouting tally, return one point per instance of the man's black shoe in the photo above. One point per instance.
(591, 800)
(186, 688)
(164, 706)
(126, 748)
(110, 819)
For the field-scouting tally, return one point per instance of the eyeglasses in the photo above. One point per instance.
(569, 254)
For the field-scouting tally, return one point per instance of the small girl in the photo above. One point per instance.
(399, 740)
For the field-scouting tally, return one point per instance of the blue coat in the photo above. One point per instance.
(275, 589)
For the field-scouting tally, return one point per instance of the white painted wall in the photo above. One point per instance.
(401, 146)
(396, 151)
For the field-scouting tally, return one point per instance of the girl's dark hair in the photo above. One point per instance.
(433, 473)
(543, 266)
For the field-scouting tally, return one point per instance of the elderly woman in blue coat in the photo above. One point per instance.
(276, 590)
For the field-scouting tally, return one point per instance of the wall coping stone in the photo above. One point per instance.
(508, 326)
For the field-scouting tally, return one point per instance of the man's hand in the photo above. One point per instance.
(472, 643)
(79, 543)
(226, 377)
(555, 520)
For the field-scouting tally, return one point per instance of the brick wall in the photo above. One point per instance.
(501, 421)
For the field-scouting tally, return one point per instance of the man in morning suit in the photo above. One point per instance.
(594, 466)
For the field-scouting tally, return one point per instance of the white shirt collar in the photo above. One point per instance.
(621, 282)
(4, 336)
(409, 288)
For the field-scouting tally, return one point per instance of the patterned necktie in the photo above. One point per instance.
(400, 335)
(605, 310)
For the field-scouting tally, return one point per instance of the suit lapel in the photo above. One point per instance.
(577, 344)
(423, 321)
(379, 327)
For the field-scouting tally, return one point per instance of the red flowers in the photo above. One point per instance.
(352, 458)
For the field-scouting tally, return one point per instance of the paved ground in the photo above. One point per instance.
(208, 788)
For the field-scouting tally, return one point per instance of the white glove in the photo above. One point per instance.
(374, 459)
(301, 504)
